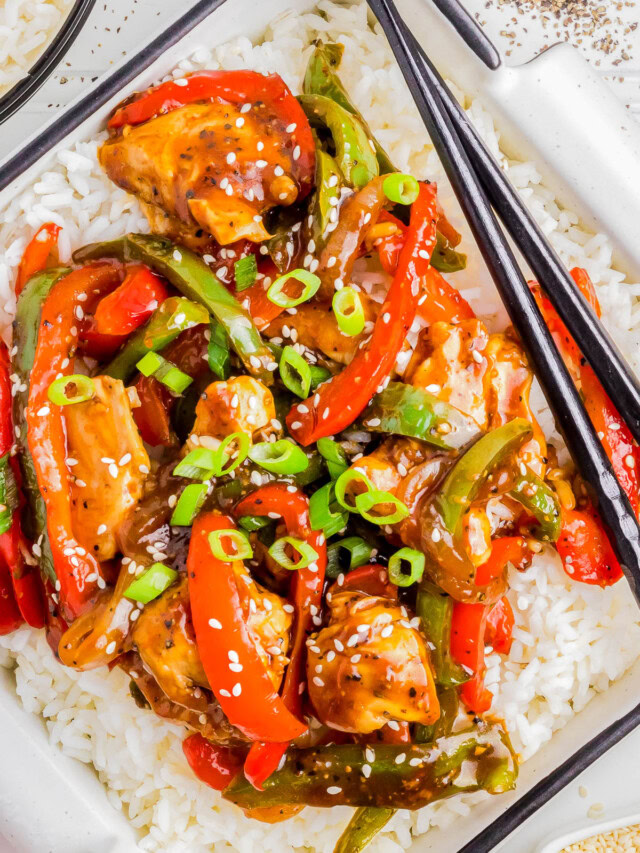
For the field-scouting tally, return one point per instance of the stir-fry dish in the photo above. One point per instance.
(267, 461)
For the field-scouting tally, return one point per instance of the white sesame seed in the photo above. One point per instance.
(43, 411)
(436, 536)
(177, 256)
(387, 631)
(225, 693)
(144, 469)
(400, 758)
(414, 762)
(318, 681)
(296, 152)
(366, 770)
(111, 648)
(102, 529)
(113, 470)
(334, 789)
(231, 157)
(235, 667)
(239, 122)
(125, 459)
(255, 361)
(291, 127)
(236, 689)
(245, 108)
(215, 623)
(630, 461)
(261, 164)
(393, 724)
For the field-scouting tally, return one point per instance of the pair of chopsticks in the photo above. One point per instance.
(479, 183)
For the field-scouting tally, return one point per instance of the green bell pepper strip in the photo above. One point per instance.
(445, 258)
(165, 324)
(354, 155)
(365, 824)
(435, 608)
(329, 182)
(321, 78)
(25, 338)
(469, 474)
(404, 410)
(542, 502)
(189, 274)
(305, 778)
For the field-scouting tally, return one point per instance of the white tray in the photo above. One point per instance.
(590, 156)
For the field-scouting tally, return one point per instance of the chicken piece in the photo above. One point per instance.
(107, 472)
(241, 404)
(452, 358)
(166, 642)
(368, 666)
(201, 164)
(317, 329)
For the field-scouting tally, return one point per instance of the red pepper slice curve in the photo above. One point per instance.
(36, 255)
(338, 402)
(216, 766)
(234, 87)
(130, 304)
(585, 549)
(500, 622)
(10, 616)
(248, 698)
(468, 625)
(57, 342)
(306, 594)
(371, 579)
(506, 549)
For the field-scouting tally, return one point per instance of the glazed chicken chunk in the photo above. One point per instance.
(108, 465)
(241, 404)
(369, 666)
(214, 166)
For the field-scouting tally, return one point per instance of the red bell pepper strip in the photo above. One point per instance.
(130, 304)
(216, 766)
(36, 255)
(439, 301)
(152, 415)
(614, 434)
(57, 342)
(306, 594)
(248, 699)
(234, 87)
(500, 622)
(468, 625)
(13, 544)
(585, 549)
(371, 579)
(338, 402)
(506, 549)
(10, 616)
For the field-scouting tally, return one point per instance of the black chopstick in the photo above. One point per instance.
(571, 417)
(470, 31)
(595, 342)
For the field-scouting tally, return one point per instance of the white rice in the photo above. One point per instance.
(26, 28)
(571, 640)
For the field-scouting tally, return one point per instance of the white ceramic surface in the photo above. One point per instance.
(68, 811)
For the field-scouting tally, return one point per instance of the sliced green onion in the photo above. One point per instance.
(67, 390)
(358, 552)
(348, 311)
(310, 284)
(401, 189)
(278, 553)
(295, 372)
(198, 464)
(222, 457)
(321, 516)
(344, 481)
(149, 363)
(245, 271)
(251, 523)
(416, 561)
(218, 354)
(318, 375)
(151, 584)
(335, 456)
(368, 500)
(230, 545)
(280, 457)
(189, 504)
(164, 371)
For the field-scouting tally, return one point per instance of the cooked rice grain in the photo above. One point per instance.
(571, 640)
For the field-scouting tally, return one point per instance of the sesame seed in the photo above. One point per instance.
(255, 361)
(436, 536)
(215, 623)
(414, 762)
(386, 317)
(245, 108)
(261, 164)
(296, 152)
(102, 529)
(177, 256)
(339, 645)
(80, 484)
(334, 789)
(235, 667)
(476, 356)
(400, 758)
(231, 157)
(225, 693)
(236, 689)
(366, 770)
(144, 469)
(111, 648)
(113, 470)
(288, 608)
(630, 461)
(434, 389)
(291, 127)
(387, 631)
(369, 754)
(318, 681)
(125, 459)
(43, 411)
(239, 122)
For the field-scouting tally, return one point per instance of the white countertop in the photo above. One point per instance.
(113, 29)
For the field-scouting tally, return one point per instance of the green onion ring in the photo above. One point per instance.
(366, 501)
(359, 551)
(85, 389)
(151, 584)
(292, 363)
(416, 562)
(242, 546)
(351, 475)
(198, 464)
(220, 457)
(334, 456)
(279, 457)
(321, 515)
(348, 311)
(401, 189)
(310, 282)
(189, 504)
(308, 555)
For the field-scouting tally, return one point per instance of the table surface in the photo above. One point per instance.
(519, 30)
